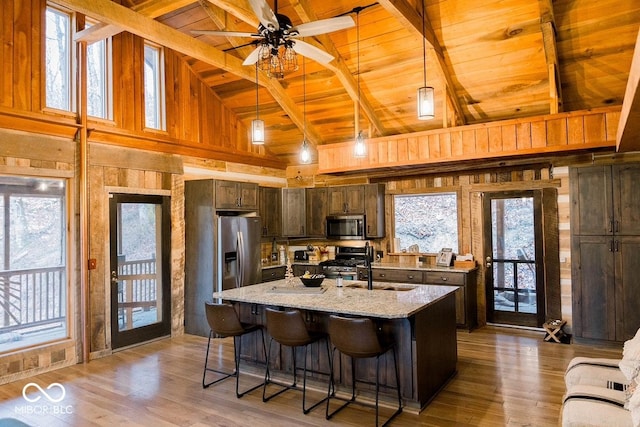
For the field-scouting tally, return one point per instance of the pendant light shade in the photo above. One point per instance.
(360, 147)
(426, 110)
(257, 125)
(257, 132)
(305, 153)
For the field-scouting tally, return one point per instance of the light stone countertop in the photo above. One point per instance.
(359, 301)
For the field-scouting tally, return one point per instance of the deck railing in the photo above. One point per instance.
(32, 298)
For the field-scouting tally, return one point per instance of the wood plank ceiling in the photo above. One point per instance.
(487, 60)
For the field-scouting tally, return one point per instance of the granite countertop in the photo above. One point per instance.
(353, 298)
(404, 266)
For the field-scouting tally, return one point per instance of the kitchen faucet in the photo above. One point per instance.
(367, 260)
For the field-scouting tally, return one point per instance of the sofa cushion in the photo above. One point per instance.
(599, 372)
(588, 405)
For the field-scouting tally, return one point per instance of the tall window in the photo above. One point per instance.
(429, 221)
(99, 78)
(58, 59)
(33, 259)
(153, 87)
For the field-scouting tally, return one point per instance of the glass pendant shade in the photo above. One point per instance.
(305, 153)
(257, 132)
(426, 110)
(360, 148)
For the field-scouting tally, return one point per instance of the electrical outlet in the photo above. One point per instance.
(92, 264)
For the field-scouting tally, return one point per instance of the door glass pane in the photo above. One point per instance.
(139, 287)
(513, 237)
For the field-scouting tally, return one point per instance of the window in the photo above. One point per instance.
(33, 258)
(153, 87)
(58, 59)
(99, 78)
(427, 220)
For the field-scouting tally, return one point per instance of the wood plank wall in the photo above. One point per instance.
(518, 137)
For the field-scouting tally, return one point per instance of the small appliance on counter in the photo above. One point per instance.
(300, 255)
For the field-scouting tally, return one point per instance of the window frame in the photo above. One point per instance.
(159, 75)
(430, 192)
(107, 66)
(70, 59)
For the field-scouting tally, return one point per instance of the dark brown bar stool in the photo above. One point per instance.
(224, 322)
(358, 338)
(287, 328)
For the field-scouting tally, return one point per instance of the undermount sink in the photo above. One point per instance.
(380, 287)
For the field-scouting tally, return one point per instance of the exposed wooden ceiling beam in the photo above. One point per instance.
(338, 66)
(111, 13)
(548, 28)
(412, 18)
(628, 136)
(149, 8)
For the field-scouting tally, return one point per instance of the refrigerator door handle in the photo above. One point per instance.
(241, 260)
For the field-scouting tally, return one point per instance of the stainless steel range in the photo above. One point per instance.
(345, 263)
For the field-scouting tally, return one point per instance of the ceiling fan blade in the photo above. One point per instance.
(324, 26)
(225, 33)
(253, 57)
(265, 15)
(312, 52)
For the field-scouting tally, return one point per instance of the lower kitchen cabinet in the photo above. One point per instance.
(466, 300)
(273, 273)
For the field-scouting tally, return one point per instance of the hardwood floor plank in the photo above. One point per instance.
(505, 377)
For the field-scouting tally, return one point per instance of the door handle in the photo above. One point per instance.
(488, 264)
(114, 277)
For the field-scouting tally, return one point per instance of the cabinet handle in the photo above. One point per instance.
(611, 246)
(410, 276)
(383, 275)
(617, 246)
(444, 279)
(616, 228)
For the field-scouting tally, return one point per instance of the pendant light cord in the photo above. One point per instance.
(257, 114)
(424, 46)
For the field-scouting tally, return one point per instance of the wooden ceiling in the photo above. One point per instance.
(487, 60)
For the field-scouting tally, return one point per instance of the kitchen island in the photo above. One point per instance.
(420, 319)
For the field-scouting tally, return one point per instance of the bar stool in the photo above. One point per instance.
(288, 329)
(358, 339)
(224, 322)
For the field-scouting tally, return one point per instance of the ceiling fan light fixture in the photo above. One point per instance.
(276, 62)
(360, 147)
(426, 108)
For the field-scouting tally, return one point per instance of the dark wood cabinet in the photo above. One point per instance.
(270, 274)
(270, 210)
(466, 299)
(374, 210)
(316, 211)
(231, 195)
(346, 199)
(605, 247)
(293, 212)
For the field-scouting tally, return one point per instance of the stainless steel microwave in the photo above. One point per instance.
(345, 227)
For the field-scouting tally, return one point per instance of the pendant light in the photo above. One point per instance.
(305, 152)
(360, 148)
(257, 125)
(426, 109)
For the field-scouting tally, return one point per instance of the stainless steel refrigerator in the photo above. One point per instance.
(239, 254)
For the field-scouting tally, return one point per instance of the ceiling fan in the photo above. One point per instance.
(278, 40)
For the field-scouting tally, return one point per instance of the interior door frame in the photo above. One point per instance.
(129, 337)
(503, 317)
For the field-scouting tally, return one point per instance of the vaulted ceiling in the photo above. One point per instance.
(487, 60)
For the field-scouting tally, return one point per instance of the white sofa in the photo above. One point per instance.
(603, 392)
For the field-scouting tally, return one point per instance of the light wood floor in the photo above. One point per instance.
(505, 377)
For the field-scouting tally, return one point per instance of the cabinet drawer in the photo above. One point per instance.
(401, 276)
(443, 278)
(274, 273)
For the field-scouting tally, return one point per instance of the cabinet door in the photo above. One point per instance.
(336, 201)
(248, 194)
(227, 195)
(374, 210)
(270, 211)
(354, 198)
(593, 287)
(626, 200)
(591, 201)
(293, 212)
(316, 212)
(627, 255)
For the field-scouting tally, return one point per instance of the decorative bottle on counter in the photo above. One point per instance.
(339, 280)
(283, 255)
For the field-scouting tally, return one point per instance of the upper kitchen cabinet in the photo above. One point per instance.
(316, 207)
(374, 210)
(293, 212)
(236, 196)
(346, 199)
(270, 211)
(603, 201)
